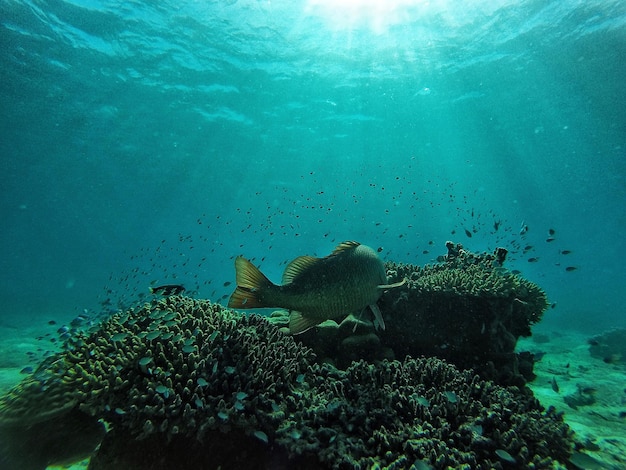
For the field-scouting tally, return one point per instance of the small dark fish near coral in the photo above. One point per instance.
(555, 385)
(168, 289)
(538, 356)
(348, 280)
(523, 229)
(612, 358)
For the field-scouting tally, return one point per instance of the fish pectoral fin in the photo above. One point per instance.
(391, 286)
(356, 323)
(378, 317)
(298, 323)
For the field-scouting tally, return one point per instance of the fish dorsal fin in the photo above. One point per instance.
(344, 246)
(297, 267)
(302, 263)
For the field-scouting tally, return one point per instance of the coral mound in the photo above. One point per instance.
(467, 309)
(175, 366)
(421, 412)
(187, 366)
(186, 383)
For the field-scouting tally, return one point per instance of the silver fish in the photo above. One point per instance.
(348, 280)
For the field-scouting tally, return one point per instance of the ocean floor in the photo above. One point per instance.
(589, 391)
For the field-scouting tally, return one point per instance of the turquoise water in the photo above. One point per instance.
(155, 141)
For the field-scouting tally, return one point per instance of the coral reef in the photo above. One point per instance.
(218, 450)
(175, 366)
(421, 412)
(390, 415)
(40, 424)
(467, 309)
(185, 383)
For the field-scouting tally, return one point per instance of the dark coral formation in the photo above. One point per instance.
(175, 366)
(40, 424)
(176, 360)
(39, 441)
(467, 309)
(185, 383)
(390, 415)
(420, 412)
(398, 414)
(218, 450)
(189, 362)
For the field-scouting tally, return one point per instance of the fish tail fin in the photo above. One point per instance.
(251, 284)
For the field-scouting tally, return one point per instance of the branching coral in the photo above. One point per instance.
(397, 414)
(463, 273)
(184, 366)
(175, 366)
(187, 381)
(468, 309)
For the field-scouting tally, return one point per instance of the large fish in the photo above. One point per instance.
(317, 289)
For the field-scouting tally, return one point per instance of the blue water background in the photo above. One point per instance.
(154, 141)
